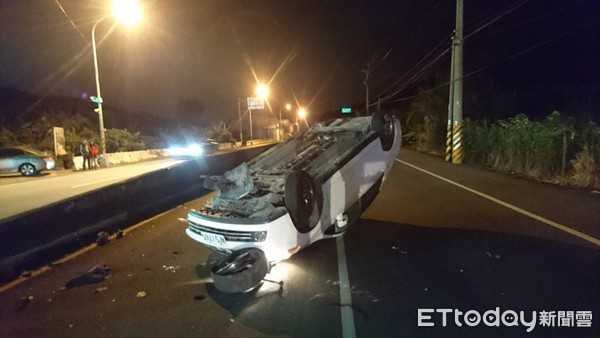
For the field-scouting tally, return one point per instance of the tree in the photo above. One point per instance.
(426, 119)
(118, 140)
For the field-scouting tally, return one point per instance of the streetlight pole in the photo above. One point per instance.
(128, 12)
(250, 115)
(99, 97)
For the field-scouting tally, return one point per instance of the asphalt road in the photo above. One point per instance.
(20, 194)
(465, 239)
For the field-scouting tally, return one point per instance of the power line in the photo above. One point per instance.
(524, 51)
(71, 21)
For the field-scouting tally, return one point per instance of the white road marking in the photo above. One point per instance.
(99, 181)
(512, 207)
(348, 329)
(74, 255)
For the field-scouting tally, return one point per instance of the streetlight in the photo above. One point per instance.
(262, 91)
(129, 13)
(302, 115)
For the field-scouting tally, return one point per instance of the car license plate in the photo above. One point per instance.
(213, 239)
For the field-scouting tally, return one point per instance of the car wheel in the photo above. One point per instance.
(382, 122)
(240, 271)
(27, 169)
(303, 199)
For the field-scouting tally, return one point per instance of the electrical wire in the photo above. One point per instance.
(498, 17)
(524, 51)
(72, 23)
(421, 73)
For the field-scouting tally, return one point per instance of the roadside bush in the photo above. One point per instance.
(518, 144)
(120, 140)
(585, 171)
(7, 138)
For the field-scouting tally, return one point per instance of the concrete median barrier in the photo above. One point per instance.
(45, 234)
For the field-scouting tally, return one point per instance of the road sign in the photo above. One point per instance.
(346, 110)
(96, 99)
(256, 103)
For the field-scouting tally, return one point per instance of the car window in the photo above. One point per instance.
(11, 152)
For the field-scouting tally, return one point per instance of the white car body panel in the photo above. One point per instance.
(341, 190)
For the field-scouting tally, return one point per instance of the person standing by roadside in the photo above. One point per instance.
(94, 155)
(84, 150)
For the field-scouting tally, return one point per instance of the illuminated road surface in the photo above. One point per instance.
(27, 193)
(425, 243)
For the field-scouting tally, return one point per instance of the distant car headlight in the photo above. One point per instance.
(192, 150)
(195, 150)
(176, 151)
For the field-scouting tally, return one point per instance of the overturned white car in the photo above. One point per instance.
(310, 187)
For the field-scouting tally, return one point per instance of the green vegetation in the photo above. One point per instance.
(26, 119)
(552, 149)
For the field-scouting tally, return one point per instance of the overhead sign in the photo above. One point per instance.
(346, 110)
(256, 103)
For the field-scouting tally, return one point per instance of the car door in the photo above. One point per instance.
(7, 160)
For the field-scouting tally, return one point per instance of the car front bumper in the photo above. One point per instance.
(278, 238)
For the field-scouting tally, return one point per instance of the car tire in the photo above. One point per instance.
(303, 200)
(382, 122)
(240, 271)
(27, 169)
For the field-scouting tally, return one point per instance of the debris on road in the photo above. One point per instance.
(497, 256)
(398, 248)
(141, 294)
(200, 297)
(25, 274)
(24, 302)
(96, 275)
(171, 268)
(100, 289)
(102, 238)
(119, 234)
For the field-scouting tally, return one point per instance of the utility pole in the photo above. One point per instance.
(251, 136)
(450, 108)
(240, 117)
(367, 72)
(457, 71)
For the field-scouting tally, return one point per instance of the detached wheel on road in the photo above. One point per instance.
(27, 169)
(240, 271)
(303, 199)
(383, 123)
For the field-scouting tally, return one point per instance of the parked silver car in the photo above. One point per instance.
(24, 160)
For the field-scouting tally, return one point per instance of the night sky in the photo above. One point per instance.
(311, 52)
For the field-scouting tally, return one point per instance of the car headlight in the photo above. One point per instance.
(194, 150)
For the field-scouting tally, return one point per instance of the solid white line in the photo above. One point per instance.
(512, 207)
(74, 255)
(348, 329)
(98, 181)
